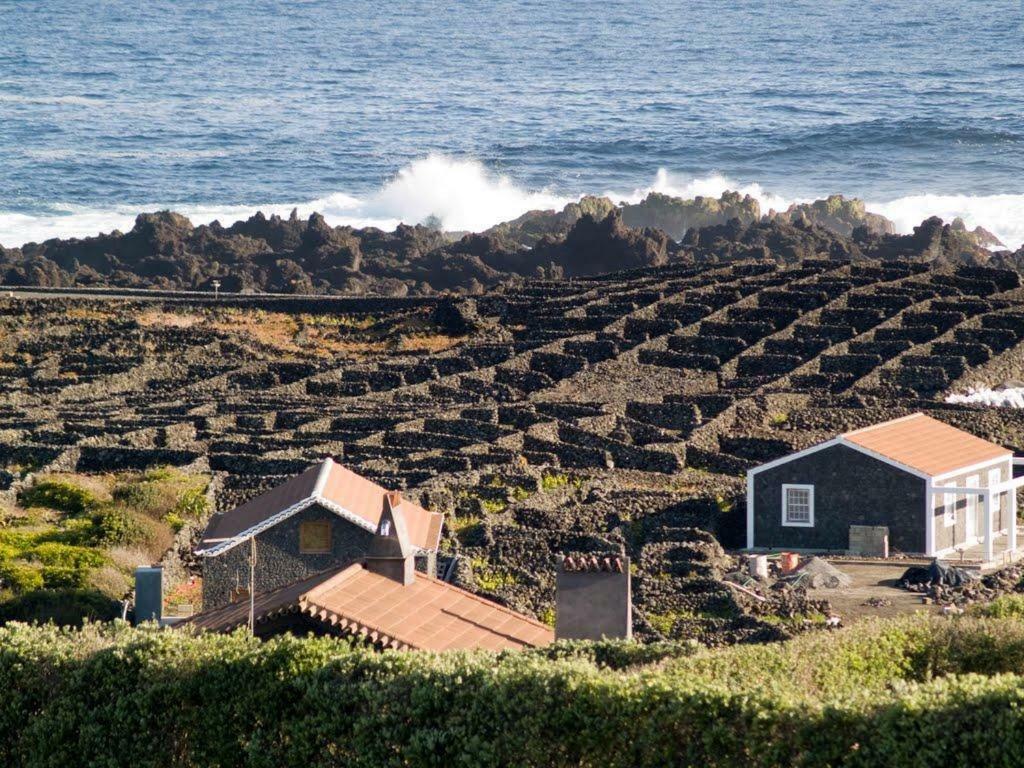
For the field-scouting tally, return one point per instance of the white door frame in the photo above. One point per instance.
(971, 511)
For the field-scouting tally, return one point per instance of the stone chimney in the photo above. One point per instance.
(149, 594)
(391, 555)
(593, 598)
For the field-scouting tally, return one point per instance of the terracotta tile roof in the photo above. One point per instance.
(266, 605)
(365, 499)
(926, 444)
(332, 486)
(427, 615)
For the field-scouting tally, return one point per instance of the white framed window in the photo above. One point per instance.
(949, 509)
(994, 478)
(798, 505)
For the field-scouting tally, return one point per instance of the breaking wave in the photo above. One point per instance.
(462, 194)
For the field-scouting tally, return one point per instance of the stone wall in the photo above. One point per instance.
(278, 560)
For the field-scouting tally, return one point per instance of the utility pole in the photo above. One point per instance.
(252, 585)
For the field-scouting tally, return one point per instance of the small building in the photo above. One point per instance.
(384, 600)
(322, 519)
(930, 487)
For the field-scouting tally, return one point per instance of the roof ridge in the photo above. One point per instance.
(321, 478)
(886, 424)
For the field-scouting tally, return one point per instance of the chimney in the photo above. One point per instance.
(149, 594)
(593, 598)
(391, 555)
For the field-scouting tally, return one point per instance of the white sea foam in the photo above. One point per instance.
(1002, 215)
(1009, 397)
(712, 185)
(465, 195)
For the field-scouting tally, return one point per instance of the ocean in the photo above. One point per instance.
(377, 113)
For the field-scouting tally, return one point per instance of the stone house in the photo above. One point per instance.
(324, 518)
(384, 600)
(927, 487)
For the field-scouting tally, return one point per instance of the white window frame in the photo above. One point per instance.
(786, 488)
(949, 509)
(995, 497)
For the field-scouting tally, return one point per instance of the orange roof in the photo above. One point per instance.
(330, 485)
(366, 499)
(926, 444)
(426, 615)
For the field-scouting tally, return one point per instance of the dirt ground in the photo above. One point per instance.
(870, 580)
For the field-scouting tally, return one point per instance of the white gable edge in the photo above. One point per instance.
(831, 443)
(261, 526)
(284, 514)
(793, 456)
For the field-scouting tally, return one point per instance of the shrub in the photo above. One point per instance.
(116, 526)
(66, 555)
(63, 607)
(1003, 607)
(109, 581)
(117, 696)
(62, 577)
(59, 495)
(19, 578)
(192, 504)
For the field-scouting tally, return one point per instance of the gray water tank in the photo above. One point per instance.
(149, 593)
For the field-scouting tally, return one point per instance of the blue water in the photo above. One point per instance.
(217, 108)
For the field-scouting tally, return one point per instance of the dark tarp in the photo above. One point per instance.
(938, 573)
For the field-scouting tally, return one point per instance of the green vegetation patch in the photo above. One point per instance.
(917, 691)
(59, 539)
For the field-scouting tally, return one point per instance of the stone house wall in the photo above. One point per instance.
(850, 488)
(278, 560)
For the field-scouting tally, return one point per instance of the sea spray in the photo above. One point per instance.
(463, 194)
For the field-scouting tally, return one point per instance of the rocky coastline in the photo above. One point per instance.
(164, 250)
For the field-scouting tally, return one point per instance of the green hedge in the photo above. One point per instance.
(914, 692)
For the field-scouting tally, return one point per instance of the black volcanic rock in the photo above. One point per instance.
(607, 245)
(838, 215)
(164, 250)
(676, 215)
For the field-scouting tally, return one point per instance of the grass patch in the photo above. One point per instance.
(553, 481)
(491, 578)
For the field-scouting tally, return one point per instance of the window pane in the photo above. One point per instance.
(798, 505)
(315, 537)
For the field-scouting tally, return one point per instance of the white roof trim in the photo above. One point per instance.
(315, 498)
(321, 478)
(882, 458)
(340, 511)
(980, 465)
(792, 456)
(263, 525)
(841, 440)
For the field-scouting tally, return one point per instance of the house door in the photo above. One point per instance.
(971, 517)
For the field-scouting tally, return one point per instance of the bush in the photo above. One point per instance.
(66, 556)
(19, 578)
(115, 526)
(62, 577)
(192, 505)
(1003, 607)
(63, 607)
(913, 692)
(59, 495)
